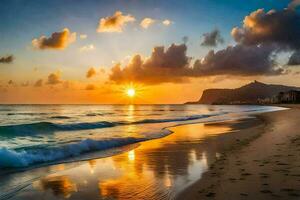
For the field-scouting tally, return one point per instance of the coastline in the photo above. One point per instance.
(265, 168)
(165, 166)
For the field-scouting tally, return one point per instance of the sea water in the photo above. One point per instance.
(32, 135)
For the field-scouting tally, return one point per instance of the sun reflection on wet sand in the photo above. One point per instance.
(158, 168)
(92, 164)
(59, 185)
(131, 155)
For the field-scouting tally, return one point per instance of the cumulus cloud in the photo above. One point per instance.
(7, 59)
(90, 87)
(54, 78)
(258, 42)
(58, 40)
(91, 72)
(147, 22)
(167, 22)
(173, 65)
(114, 23)
(89, 47)
(272, 27)
(162, 66)
(212, 38)
(238, 60)
(38, 83)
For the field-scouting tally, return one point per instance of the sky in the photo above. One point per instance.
(93, 51)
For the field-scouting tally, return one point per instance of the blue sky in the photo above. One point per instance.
(22, 20)
(25, 20)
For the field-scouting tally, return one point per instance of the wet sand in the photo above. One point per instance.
(156, 169)
(256, 158)
(266, 168)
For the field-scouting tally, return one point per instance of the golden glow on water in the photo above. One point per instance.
(157, 169)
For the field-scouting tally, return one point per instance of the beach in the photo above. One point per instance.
(265, 168)
(232, 159)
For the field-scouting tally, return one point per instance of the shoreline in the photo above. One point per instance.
(264, 168)
(158, 157)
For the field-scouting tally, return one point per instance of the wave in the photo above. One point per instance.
(29, 113)
(60, 117)
(178, 119)
(99, 114)
(27, 157)
(49, 127)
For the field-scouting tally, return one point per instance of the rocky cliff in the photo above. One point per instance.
(247, 94)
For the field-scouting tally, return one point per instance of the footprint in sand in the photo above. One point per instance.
(266, 191)
(246, 174)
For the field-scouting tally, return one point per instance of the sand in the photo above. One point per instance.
(266, 168)
(243, 159)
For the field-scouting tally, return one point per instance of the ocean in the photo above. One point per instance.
(34, 135)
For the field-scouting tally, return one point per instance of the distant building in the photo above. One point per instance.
(292, 96)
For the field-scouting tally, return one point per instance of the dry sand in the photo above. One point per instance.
(268, 167)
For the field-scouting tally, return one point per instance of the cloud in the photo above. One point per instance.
(38, 83)
(258, 42)
(7, 59)
(294, 58)
(238, 60)
(114, 23)
(294, 4)
(57, 40)
(90, 87)
(273, 27)
(212, 38)
(89, 47)
(91, 72)
(54, 78)
(146, 22)
(174, 66)
(164, 65)
(83, 36)
(167, 22)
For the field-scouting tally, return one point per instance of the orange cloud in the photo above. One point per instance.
(280, 28)
(90, 87)
(54, 78)
(91, 72)
(114, 23)
(146, 22)
(58, 40)
(162, 66)
(38, 83)
(172, 65)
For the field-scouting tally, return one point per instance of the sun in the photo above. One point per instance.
(130, 92)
